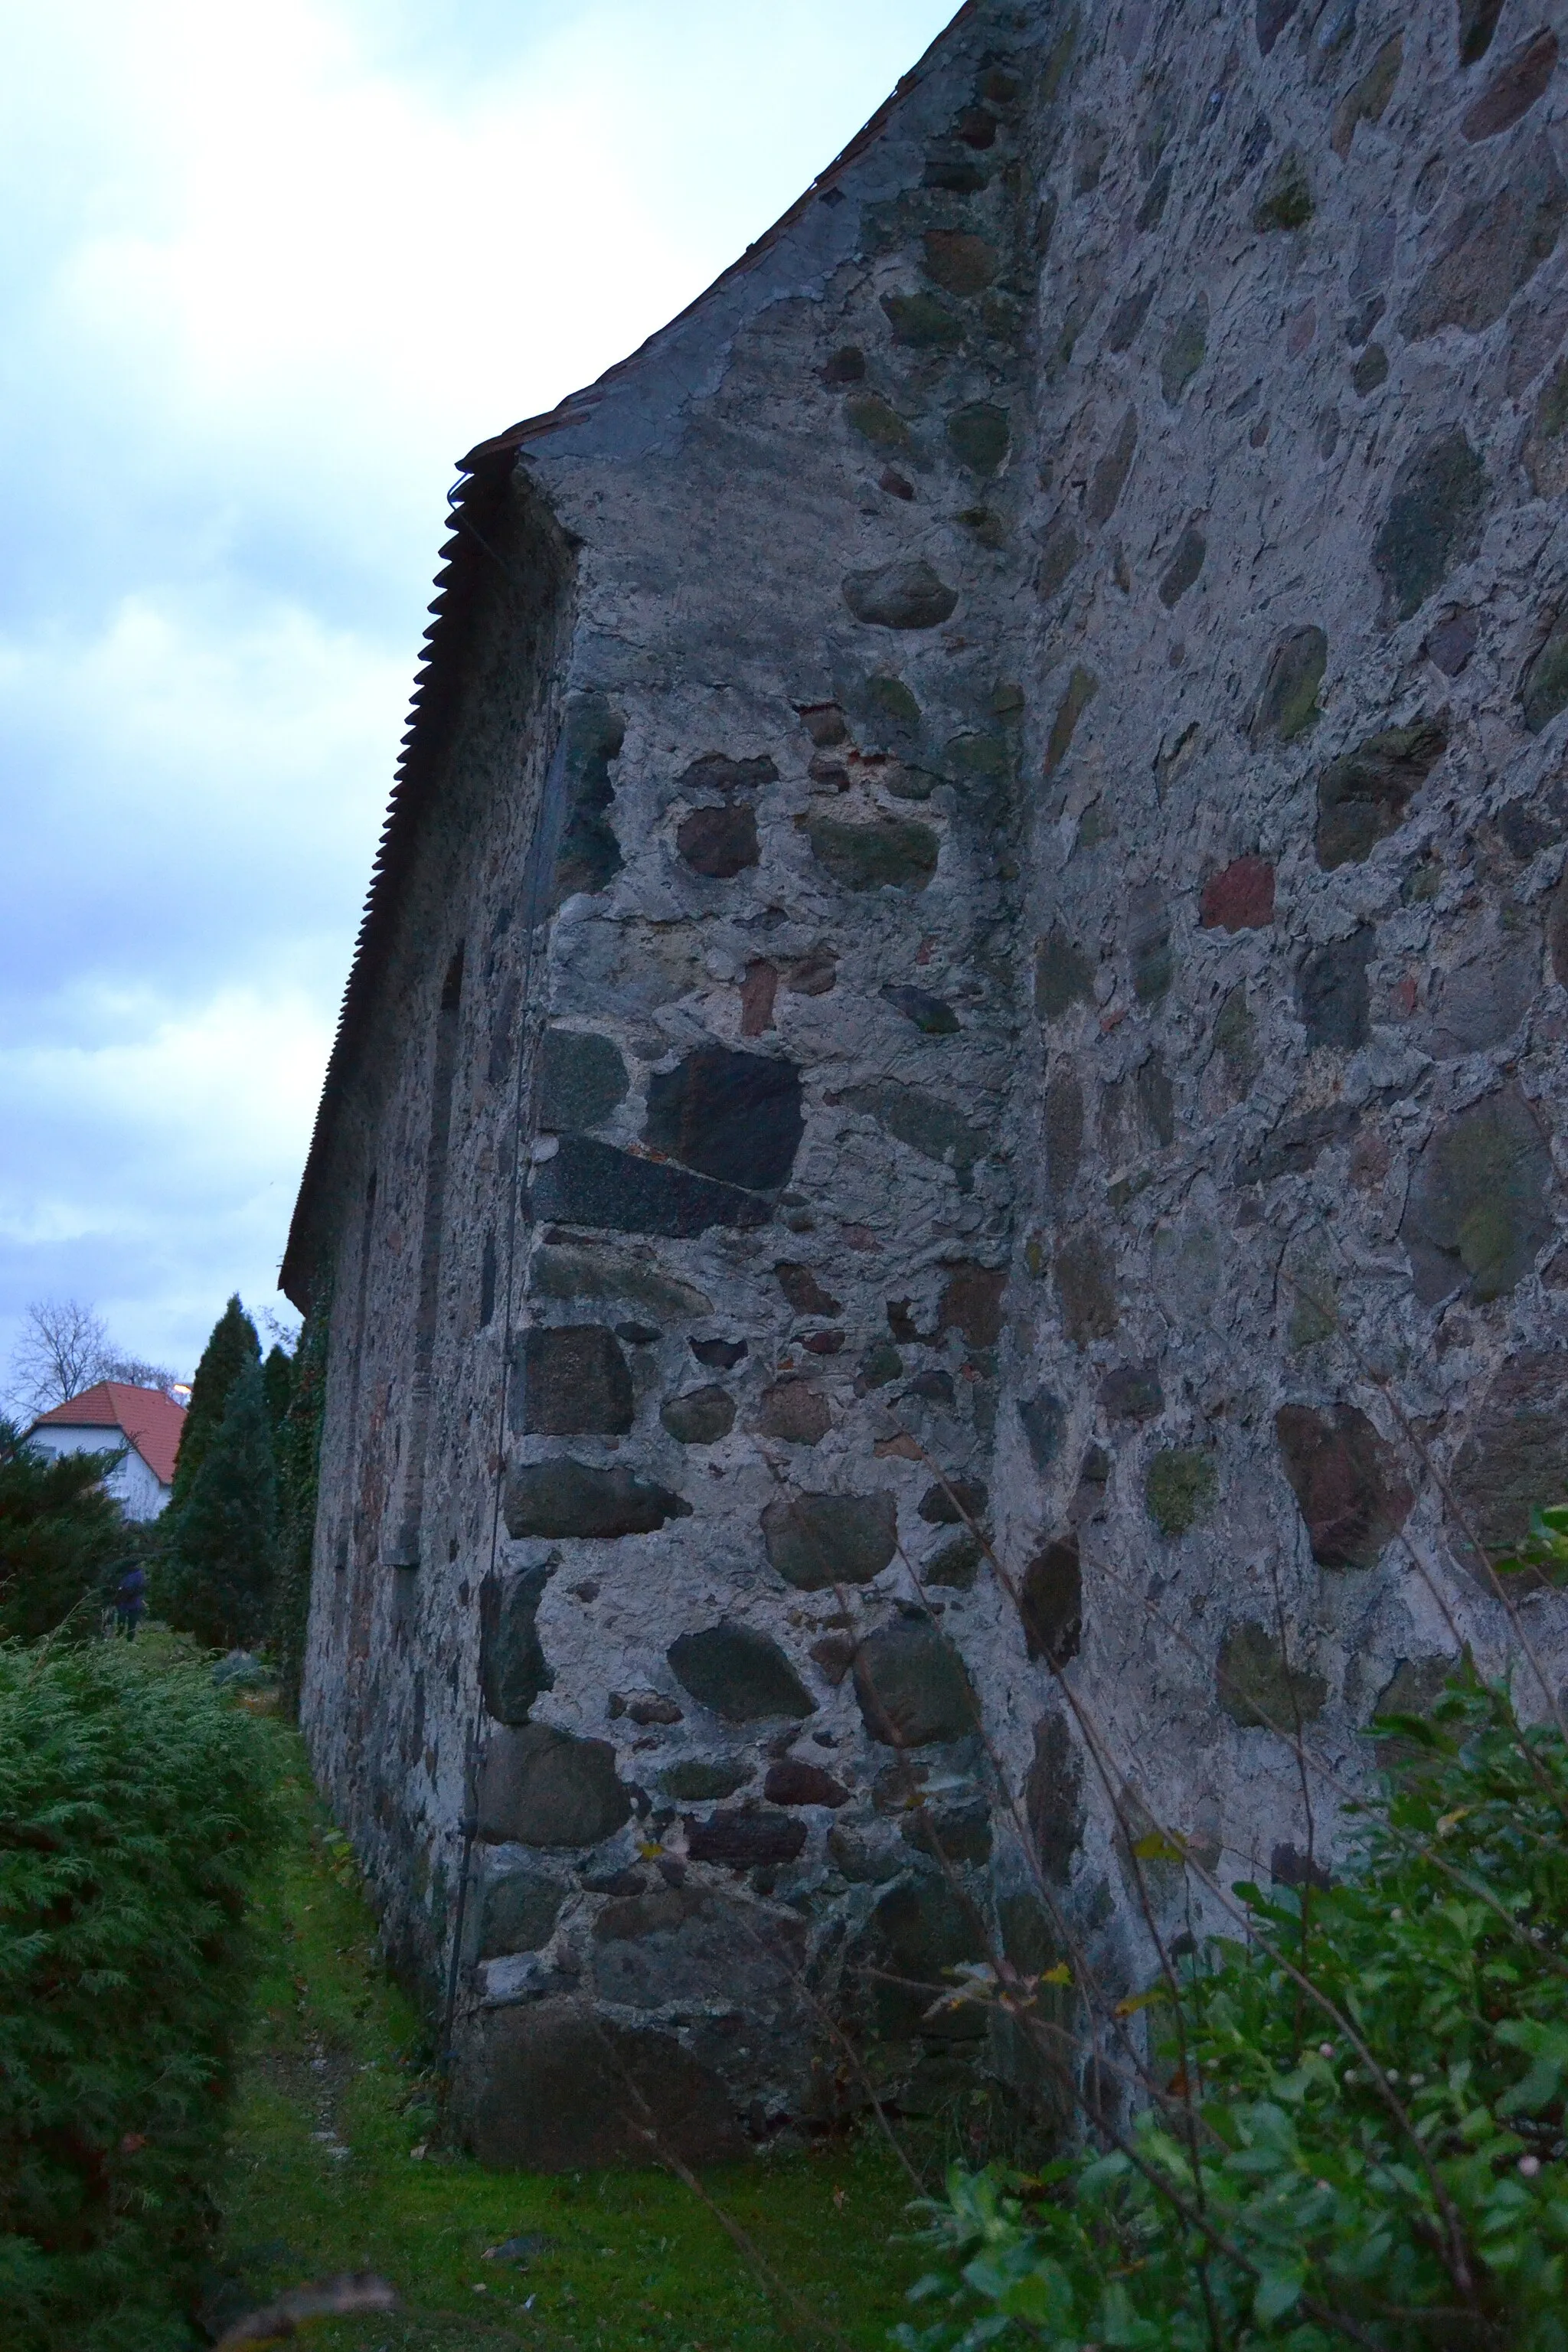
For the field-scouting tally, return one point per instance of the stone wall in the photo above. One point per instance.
(998, 787)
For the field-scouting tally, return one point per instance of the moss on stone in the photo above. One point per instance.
(1432, 519)
(891, 700)
(870, 416)
(1186, 563)
(923, 323)
(1546, 680)
(1185, 349)
(985, 524)
(979, 435)
(1086, 1287)
(1058, 556)
(1496, 248)
(958, 261)
(1314, 1317)
(899, 597)
(1081, 689)
(700, 1417)
(1367, 99)
(987, 759)
(1552, 415)
(1258, 1687)
(1285, 201)
(1369, 371)
(1478, 23)
(1108, 479)
(1287, 704)
(898, 853)
(1362, 796)
(697, 1781)
(1479, 1204)
(1063, 976)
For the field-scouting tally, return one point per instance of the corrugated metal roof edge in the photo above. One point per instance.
(487, 467)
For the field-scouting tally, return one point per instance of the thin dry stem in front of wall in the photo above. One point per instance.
(1102, 2011)
(1098, 1748)
(1473, 1889)
(1450, 1502)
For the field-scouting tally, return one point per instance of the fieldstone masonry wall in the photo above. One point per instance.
(971, 938)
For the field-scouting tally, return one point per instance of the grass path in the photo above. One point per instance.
(321, 2176)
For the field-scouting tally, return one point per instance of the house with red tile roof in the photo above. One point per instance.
(112, 1415)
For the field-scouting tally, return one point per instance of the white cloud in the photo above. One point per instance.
(173, 1144)
(190, 785)
(269, 270)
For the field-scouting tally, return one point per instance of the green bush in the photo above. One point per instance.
(1353, 2132)
(232, 1348)
(229, 1566)
(220, 1548)
(298, 1446)
(135, 1807)
(59, 1534)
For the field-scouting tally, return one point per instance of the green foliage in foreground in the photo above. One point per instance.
(1374, 2156)
(1543, 1557)
(59, 1534)
(135, 1806)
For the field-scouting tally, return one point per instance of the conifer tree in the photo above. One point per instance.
(61, 1535)
(221, 1543)
(297, 1447)
(277, 1380)
(231, 1347)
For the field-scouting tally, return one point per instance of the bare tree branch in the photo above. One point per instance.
(61, 1351)
(64, 1348)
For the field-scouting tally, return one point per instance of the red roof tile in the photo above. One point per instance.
(150, 1421)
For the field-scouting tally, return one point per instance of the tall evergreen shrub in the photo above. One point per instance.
(221, 1548)
(136, 1806)
(232, 1348)
(278, 1380)
(59, 1534)
(298, 1445)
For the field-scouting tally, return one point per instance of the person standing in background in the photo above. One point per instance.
(129, 1601)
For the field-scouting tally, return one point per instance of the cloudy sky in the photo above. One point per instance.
(265, 272)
